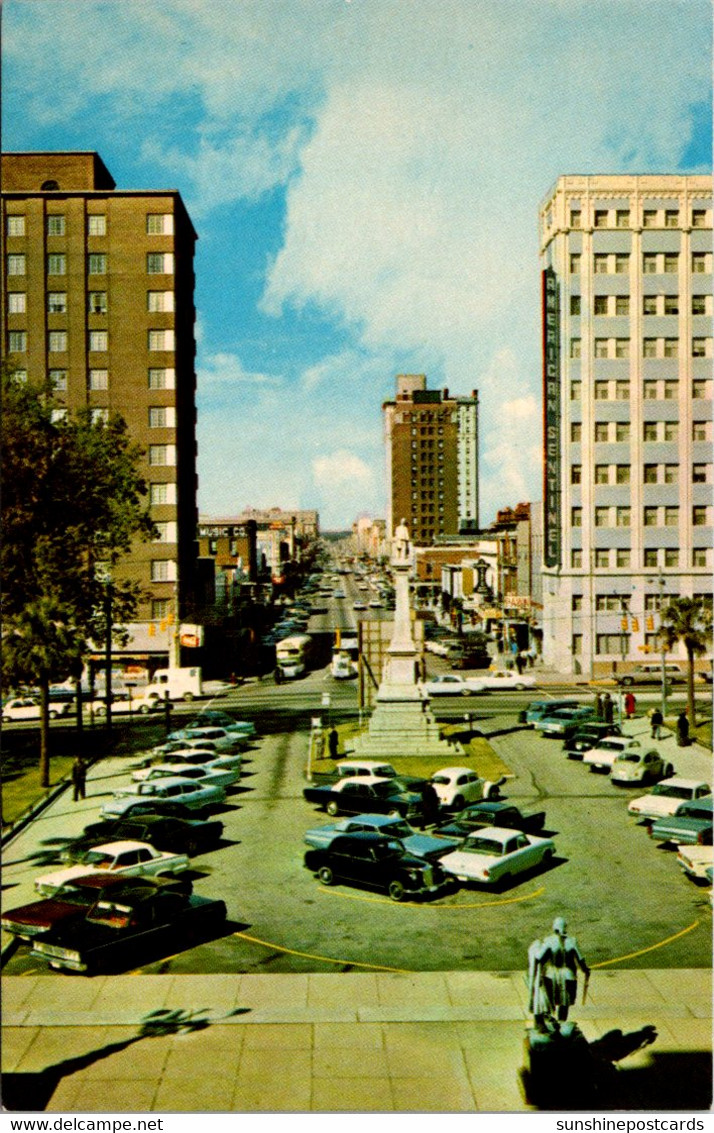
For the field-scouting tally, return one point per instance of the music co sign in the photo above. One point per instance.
(551, 422)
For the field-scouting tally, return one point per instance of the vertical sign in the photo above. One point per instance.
(551, 420)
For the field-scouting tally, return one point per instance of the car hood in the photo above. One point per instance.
(54, 880)
(43, 915)
(628, 772)
(423, 846)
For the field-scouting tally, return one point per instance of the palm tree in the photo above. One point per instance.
(688, 620)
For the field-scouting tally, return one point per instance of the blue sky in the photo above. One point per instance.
(364, 176)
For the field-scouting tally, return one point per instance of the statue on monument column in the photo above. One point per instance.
(401, 551)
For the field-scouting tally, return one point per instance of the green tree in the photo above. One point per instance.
(688, 620)
(72, 504)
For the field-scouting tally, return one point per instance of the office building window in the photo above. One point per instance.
(622, 557)
(649, 475)
(701, 389)
(649, 263)
(701, 262)
(602, 474)
(57, 302)
(602, 517)
(162, 417)
(16, 225)
(16, 303)
(97, 302)
(701, 304)
(57, 341)
(699, 218)
(574, 304)
(671, 430)
(55, 225)
(699, 557)
(98, 415)
(671, 262)
(607, 603)
(671, 556)
(622, 218)
(575, 218)
(602, 391)
(162, 532)
(159, 263)
(700, 473)
(649, 390)
(651, 557)
(576, 644)
(671, 304)
(16, 264)
(649, 218)
(649, 431)
(651, 517)
(98, 340)
(58, 415)
(57, 264)
(160, 300)
(622, 263)
(602, 559)
(576, 517)
(601, 347)
(97, 263)
(622, 304)
(576, 603)
(576, 559)
(17, 341)
(671, 390)
(99, 379)
(622, 474)
(701, 347)
(575, 344)
(622, 348)
(622, 431)
(649, 347)
(575, 264)
(600, 305)
(671, 473)
(600, 218)
(671, 218)
(160, 224)
(160, 608)
(576, 391)
(613, 643)
(671, 347)
(58, 380)
(163, 570)
(162, 494)
(576, 432)
(600, 264)
(649, 305)
(601, 431)
(671, 517)
(162, 455)
(700, 516)
(96, 224)
(576, 473)
(162, 377)
(161, 340)
(700, 430)
(622, 517)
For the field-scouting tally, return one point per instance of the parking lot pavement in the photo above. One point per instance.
(426, 1042)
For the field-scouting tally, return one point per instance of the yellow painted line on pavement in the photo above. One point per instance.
(325, 959)
(421, 905)
(651, 948)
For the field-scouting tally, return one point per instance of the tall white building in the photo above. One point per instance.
(627, 343)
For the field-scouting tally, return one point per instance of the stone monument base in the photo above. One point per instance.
(403, 724)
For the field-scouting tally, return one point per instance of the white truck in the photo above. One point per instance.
(171, 684)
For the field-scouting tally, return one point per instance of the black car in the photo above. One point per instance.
(178, 835)
(115, 932)
(354, 796)
(377, 862)
(496, 813)
(588, 736)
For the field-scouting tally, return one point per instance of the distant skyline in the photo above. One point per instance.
(364, 177)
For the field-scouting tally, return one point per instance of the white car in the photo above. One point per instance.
(221, 737)
(506, 679)
(603, 755)
(215, 776)
(127, 858)
(665, 797)
(495, 854)
(192, 795)
(366, 769)
(457, 786)
(696, 861)
(28, 708)
(640, 767)
(451, 684)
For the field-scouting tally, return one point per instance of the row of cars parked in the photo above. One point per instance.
(124, 883)
(488, 842)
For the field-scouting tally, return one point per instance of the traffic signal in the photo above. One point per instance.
(635, 625)
(623, 625)
(650, 622)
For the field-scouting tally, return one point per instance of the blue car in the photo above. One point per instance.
(539, 708)
(420, 845)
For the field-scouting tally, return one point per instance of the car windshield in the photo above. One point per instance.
(610, 745)
(441, 780)
(384, 790)
(476, 845)
(387, 849)
(672, 792)
(71, 896)
(398, 829)
(628, 759)
(107, 913)
(98, 859)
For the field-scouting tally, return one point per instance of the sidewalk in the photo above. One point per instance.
(344, 1042)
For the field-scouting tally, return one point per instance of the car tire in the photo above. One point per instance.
(332, 808)
(145, 709)
(188, 697)
(519, 688)
(52, 714)
(325, 875)
(548, 857)
(668, 771)
(396, 891)
(466, 692)
(459, 803)
(394, 814)
(626, 681)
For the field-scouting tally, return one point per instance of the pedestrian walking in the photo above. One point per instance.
(532, 654)
(333, 742)
(630, 704)
(520, 663)
(682, 729)
(79, 778)
(608, 708)
(429, 805)
(656, 720)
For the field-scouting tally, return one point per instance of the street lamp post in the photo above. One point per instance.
(623, 653)
(660, 580)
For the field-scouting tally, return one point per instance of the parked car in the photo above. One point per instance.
(28, 708)
(587, 736)
(565, 721)
(216, 776)
(420, 845)
(603, 755)
(221, 737)
(665, 797)
(456, 786)
(179, 835)
(451, 684)
(506, 679)
(374, 769)
(127, 858)
(496, 854)
(652, 674)
(72, 900)
(193, 757)
(640, 767)
(161, 751)
(214, 718)
(538, 708)
(359, 796)
(690, 823)
(118, 928)
(195, 796)
(696, 860)
(492, 812)
(123, 703)
(377, 862)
